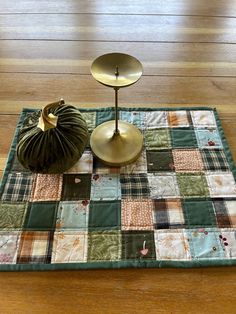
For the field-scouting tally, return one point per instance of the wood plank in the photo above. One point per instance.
(179, 7)
(83, 90)
(137, 28)
(182, 59)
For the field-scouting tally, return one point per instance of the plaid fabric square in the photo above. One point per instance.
(183, 138)
(223, 216)
(179, 118)
(84, 164)
(199, 213)
(70, 247)
(139, 166)
(41, 216)
(156, 119)
(172, 245)
(163, 185)
(208, 138)
(160, 160)
(104, 245)
(90, 118)
(187, 160)
(134, 186)
(76, 187)
(134, 117)
(72, 215)
(157, 139)
(221, 184)
(136, 215)
(203, 118)
(47, 187)
(168, 214)
(231, 210)
(12, 215)
(35, 247)
(104, 215)
(227, 239)
(8, 246)
(192, 185)
(214, 159)
(138, 245)
(105, 187)
(18, 187)
(205, 243)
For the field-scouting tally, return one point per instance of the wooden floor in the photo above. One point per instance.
(188, 50)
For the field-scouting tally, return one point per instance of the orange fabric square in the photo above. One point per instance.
(187, 160)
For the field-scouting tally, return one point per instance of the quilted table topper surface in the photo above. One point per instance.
(174, 207)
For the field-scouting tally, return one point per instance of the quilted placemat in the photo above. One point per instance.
(174, 207)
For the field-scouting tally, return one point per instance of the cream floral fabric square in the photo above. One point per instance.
(222, 184)
(163, 185)
(203, 118)
(84, 164)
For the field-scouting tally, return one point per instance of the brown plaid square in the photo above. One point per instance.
(35, 247)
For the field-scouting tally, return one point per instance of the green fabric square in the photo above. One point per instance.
(138, 245)
(104, 215)
(41, 216)
(12, 215)
(104, 245)
(157, 139)
(76, 187)
(183, 137)
(104, 116)
(199, 213)
(192, 185)
(161, 160)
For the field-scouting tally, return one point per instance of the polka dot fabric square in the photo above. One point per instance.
(187, 160)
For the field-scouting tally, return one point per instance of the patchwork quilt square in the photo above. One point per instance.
(163, 185)
(214, 160)
(134, 117)
(157, 139)
(100, 168)
(105, 187)
(134, 186)
(208, 138)
(90, 118)
(137, 215)
(69, 247)
(139, 166)
(199, 213)
(12, 215)
(183, 138)
(159, 161)
(172, 245)
(205, 244)
(8, 246)
(47, 187)
(103, 116)
(187, 160)
(18, 187)
(76, 187)
(224, 218)
(179, 118)
(192, 185)
(35, 247)
(104, 245)
(104, 215)
(72, 215)
(221, 184)
(84, 164)
(231, 210)
(41, 216)
(138, 245)
(203, 118)
(168, 214)
(227, 239)
(156, 119)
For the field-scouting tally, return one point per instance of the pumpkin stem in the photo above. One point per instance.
(48, 120)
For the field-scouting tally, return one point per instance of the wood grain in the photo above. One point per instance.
(188, 49)
(138, 28)
(182, 59)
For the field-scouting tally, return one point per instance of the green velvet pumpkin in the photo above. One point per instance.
(53, 139)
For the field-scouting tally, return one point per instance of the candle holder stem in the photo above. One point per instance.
(116, 111)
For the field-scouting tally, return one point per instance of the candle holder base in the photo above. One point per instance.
(116, 148)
